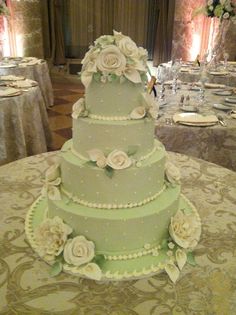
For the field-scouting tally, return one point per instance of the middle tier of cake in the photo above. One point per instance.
(90, 185)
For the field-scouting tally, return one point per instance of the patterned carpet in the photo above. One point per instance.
(65, 95)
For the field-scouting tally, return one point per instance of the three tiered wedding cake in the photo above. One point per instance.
(111, 208)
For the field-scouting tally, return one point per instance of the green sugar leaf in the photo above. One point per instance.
(97, 76)
(191, 259)
(113, 77)
(109, 171)
(99, 260)
(56, 269)
(132, 149)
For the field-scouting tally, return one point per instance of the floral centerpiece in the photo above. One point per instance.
(3, 8)
(222, 9)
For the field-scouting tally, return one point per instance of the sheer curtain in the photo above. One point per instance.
(164, 33)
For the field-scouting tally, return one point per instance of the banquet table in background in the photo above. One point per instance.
(38, 72)
(215, 144)
(207, 288)
(190, 73)
(24, 126)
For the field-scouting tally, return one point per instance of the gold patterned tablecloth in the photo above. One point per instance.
(38, 72)
(24, 126)
(206, 289)
(216, 144)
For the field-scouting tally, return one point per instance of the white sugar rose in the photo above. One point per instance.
(172, 173)
(78, 251)
(226, 15)
(101, 161)
(104, 40)
(111, 60)
(128, 47)
(142, 53)
(138, 112)
(118, 160)
(92, 271)
(185, 229)
(50, 237)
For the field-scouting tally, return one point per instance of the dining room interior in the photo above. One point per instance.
(92, 86)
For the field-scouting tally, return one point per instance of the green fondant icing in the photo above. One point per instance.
(113, 98)
(131, 185)
(110, 135)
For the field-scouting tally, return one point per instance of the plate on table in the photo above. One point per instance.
(7, 66)
(194, 119)
(11, 78)
(8, 92)
(222, 106)
(189, 108)
(231, 100)
(195, 88)
(214, 86)
(219, 73)
(223, 92)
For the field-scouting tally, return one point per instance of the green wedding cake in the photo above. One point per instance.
(111, 207)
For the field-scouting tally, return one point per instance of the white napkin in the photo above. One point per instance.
(30, 63)
(11, 78)
(8, 92)
(219, 72)
(5, 65)
(195, 118)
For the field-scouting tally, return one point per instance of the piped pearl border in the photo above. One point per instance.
(142, 158)
(109, 118)
(109, 205)
(151, 270)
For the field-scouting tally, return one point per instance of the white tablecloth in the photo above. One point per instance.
(38, 72)
(24, 127)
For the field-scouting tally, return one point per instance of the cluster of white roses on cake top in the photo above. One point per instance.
(114, 56)
(73, 254)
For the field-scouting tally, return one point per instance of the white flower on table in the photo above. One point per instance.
(52, 183)
(172, 173)
(78, 251)
(118, 160)
(78, 108)
(111, 60)
(50, 237)
(185, 229)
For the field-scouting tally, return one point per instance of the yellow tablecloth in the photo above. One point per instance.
(206, 289)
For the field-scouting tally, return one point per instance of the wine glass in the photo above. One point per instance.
(162, 74)
(226, 57)
(175, 68)
(203, 79)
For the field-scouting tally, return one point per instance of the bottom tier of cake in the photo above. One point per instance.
(133, 243)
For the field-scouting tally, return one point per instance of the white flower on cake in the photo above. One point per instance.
(128, 47)
(92, 271)
(78, 251)
(116, 54)
(50, 237)
(98, 156)
(52, 183)
(181, 258)
(118, 160)
(138, 112)
(104, 40)
(78, 108)
(172, 173)
(111, 60)
(185, 229)
(151, 105)
(172, 271)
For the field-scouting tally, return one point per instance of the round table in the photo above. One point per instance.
(37, 72)
(215, 144)
(207, 288)
(24, 126)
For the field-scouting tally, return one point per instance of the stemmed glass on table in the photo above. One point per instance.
(162, 74)
(203, 79)
(175, 68)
